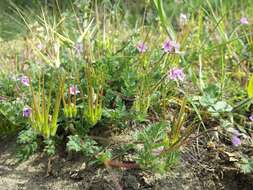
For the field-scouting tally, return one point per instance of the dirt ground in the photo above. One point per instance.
(201, 168)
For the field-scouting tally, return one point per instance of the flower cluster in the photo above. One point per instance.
(171, 46)
(176, 74)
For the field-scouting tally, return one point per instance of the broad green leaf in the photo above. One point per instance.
(222, 106)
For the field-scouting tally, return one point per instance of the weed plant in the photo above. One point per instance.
(170, 66)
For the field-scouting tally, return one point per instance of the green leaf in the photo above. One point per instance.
(49, 147)
(222, 106)
(27, 144)
(247, 165)
(206, 101)
(74, 144)
(86, 145)
(250, 87)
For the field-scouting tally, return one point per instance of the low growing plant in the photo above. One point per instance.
(162, 142)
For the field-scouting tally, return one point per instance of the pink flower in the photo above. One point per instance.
(170, 46)
(142, 47)
(244, 21)
(176, 74)
(73, 90)
(24, 80)
(251, 118)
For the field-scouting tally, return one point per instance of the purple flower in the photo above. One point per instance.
(176, 74)
(251, 118)
(142, 47)
(24, 80)
(73, 90)
(236, 141)
(27, 111)
(244, 21)
(171, 46)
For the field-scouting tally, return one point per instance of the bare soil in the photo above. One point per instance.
(201, 167)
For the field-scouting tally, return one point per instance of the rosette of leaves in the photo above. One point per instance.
(27, 144)
(119, 115)
(86, 145)
(246, 164)
(161, 142)
(154, 138)
(11, 116)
